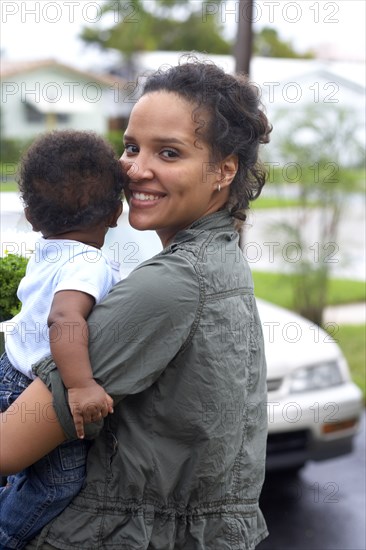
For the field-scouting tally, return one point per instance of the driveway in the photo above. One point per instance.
(322, 508)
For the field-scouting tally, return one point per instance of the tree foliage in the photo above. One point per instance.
(322, 141)
(267, 43)
(174, 25)
(169, 25)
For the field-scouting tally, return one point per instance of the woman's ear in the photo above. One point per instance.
(112, 221)
(228, 169)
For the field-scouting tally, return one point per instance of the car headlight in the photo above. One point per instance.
(315, 377)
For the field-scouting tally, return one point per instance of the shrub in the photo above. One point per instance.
(12, 149)
(115, 139)
(12, 270)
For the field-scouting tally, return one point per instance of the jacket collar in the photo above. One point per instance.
(218, 220)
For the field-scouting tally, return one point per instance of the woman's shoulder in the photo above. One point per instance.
(168, 276)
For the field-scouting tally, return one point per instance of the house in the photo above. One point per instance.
(42, 95)
(288, 86)
(284, 81)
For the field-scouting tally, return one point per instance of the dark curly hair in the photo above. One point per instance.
(237, 125)
(70, 180)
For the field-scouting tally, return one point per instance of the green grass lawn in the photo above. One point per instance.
(8, 172)
(278, 289)
(264, 202)
(8, 186)
(352, 341)
(354, 178)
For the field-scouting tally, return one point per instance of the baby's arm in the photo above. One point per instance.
(68, 333)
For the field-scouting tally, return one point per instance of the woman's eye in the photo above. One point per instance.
(169, 153)
(131, 149)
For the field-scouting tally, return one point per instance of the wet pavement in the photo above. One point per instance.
(321, 508)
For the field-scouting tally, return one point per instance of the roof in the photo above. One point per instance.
(13, 68)
(270, 69)
(263, 69)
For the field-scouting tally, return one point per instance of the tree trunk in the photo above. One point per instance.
(244, 37)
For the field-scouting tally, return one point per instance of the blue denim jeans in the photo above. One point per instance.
(39, 493)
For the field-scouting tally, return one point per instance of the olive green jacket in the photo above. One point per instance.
(180, 463)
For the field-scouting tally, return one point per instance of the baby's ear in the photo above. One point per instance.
(112, 221)
(28, 216)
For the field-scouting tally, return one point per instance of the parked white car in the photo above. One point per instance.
(313, 407)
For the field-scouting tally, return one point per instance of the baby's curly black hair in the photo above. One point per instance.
(237, 124)
(70, 179)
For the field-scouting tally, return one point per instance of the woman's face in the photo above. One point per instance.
(172, 181)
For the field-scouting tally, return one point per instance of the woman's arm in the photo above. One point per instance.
(29, 429)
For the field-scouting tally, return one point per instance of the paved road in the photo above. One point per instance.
(268, 249)
(323, 508)
(265, 248)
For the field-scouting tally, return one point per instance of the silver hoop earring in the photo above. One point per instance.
(219, 187)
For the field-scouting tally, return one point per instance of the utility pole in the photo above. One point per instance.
(244, 37)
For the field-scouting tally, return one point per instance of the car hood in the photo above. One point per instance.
(291, 341)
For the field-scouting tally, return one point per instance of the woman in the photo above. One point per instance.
(178, 344)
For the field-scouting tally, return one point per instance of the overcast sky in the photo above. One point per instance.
(49, 29)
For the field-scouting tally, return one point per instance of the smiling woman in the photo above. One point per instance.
(177, 344)
(173, 182)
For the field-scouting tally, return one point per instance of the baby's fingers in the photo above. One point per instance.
(109, 403)
(79, 425)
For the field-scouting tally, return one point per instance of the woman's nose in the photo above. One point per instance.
(137, 169)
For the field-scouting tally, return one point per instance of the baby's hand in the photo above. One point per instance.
(88, 403)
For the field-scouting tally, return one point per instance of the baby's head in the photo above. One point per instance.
(70, 180)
